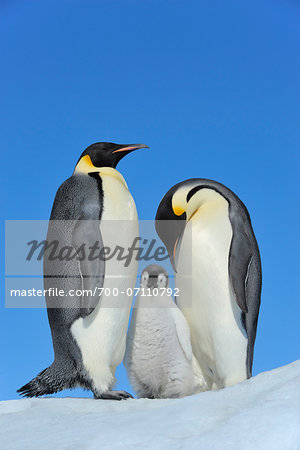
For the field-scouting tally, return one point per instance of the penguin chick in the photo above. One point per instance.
(159, 358)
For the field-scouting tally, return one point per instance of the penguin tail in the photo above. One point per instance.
(46, 382)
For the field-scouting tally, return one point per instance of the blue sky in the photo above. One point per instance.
(211, 87)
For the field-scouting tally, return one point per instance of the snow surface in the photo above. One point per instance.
(260, 413)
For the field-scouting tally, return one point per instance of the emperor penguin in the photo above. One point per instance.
(208, 233)
(93, 209)
(159, 358)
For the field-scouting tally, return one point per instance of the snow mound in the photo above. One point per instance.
(260, 413)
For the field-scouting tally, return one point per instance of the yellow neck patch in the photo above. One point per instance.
(179, 203)
(86, 166)
(178, 210)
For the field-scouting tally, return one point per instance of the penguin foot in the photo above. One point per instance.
(113, 395)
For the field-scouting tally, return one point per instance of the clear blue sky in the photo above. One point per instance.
(213, 89)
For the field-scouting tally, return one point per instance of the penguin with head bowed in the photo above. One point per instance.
(159, 358)
(93, 209)
(204, 224)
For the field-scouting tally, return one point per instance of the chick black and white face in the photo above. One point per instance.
(154, 276)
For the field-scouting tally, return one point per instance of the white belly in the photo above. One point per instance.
(206, 299)
(155, 356)
(101, 336)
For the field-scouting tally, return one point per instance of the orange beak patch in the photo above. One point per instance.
(125, 149)
(175, 248)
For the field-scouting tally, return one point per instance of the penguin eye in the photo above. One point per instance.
(145, 276)
(162, 278)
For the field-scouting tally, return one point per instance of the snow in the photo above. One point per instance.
(260, 413)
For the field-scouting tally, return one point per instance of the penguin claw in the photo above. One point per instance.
(113, 395)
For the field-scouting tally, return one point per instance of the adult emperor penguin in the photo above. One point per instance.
(92, 209)
(204, 224)
(159, 358)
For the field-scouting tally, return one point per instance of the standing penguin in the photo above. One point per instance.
(159, 358)
(93, 209)
(204, 224)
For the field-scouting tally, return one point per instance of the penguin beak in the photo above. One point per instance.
(130, 148)
(180, 213)
(173, 255)
(170, 228)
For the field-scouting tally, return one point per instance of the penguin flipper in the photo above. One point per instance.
(92, 267)
(244, 263)
(240, 256)
(183, 332)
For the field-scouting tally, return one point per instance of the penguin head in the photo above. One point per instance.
(106, 154)
(170, 224)
(177, 207)
(154, 276)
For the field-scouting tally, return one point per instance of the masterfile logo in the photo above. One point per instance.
(64, 259)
